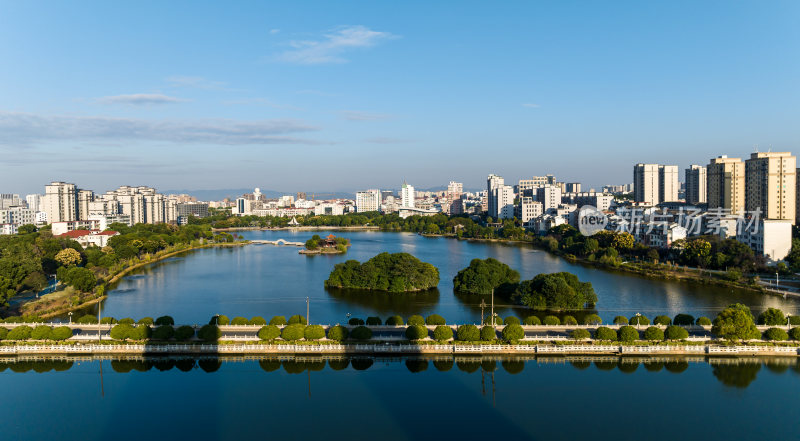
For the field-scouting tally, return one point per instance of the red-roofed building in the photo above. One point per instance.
(90, 237)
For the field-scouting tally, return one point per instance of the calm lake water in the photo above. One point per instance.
(268, 280)
(401, 399)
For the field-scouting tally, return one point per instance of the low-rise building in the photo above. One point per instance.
(89, 238)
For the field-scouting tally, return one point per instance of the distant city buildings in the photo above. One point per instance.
(369, 200)
(696, 185)
(725, 188)
(655, 183)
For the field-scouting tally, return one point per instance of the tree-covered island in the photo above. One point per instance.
(398, 272)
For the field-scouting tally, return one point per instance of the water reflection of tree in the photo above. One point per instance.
(443, 365)
(677, 366)
(488, 365)
(654, 366)
(361, 364)
(269, 364)
(125, 366)
(580, 364)
(468, 366)
(628, 367)
(738, 375)
(415, 365)
(513, 367)
(38, 366)
(385, 303)
(339, 364)
(300, 366)
(209, 365)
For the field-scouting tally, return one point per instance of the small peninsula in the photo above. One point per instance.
(398, 272)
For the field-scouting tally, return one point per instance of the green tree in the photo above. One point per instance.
(683, 320)
(592, 319)
(145, 321)
(483, 276)
(639, 320)
(551, 320)
(121, 332)
(68, 257)
(513, 333)
(184, 333)
(532, 320)
(605, 333)
(269, 333)
(3, 333)
(653, 333)
(42, 332)
(794, 333)
(297, 319)
(697, 252)
(416, 332)
(628, 333)
(442, 333)
(20, 333)
(735, 323)
(434, 320)
(337, 333)
(488, 333)
(361, 333)
(775, 334)
(163, 332)
(569, 320)
(87, 319)
(772, 317)
(257, 321)
(240, 321)
(374, 321)
(314, 332)
(294, 331)
(416, 320)
(580, 334)
(209, 333)
(620, 320)
(675, 332)
(278, 320)
(60, 333)
(511, 320)
(399, 272)
(662, 320)
(165, 320)
(557, 291)
(703, 321)
(468, 333)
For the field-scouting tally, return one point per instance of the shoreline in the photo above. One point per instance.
(302, 228)
(410, 349)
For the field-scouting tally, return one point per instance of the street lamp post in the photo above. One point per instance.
(348, 318)
(638, 320)
(70, 317)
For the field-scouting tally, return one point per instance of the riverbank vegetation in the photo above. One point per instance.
(398, 272)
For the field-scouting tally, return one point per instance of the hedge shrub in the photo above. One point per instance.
(108, 321)
(488, 333)
(140, 332)
(257, 321)
(20, 333)
(395, 320)
(569, 320)
(580, 334)
(239, 321)
(126, 321)
(361, 333)
(683, 320)
(145, 321)
(592, 319)
(222, 320)
(416, 332)
(314, 332)
(653, 333)
(674, 332)
(513, 332)
(269, 332)
(703, 321)
(511, 320)
(551, 320)
(605, 333)
(435, 320)
(794, 320)
(297, 319)
(121, 331)
(662, 320)
(338, 333)
(628, 333)
(165, 320)
(442, 333)
(776, 334)
(278, 320)
(794, 333)
(497, 320)
(415, 320)
(639, 320)
(60, 333)
(355, 321)
(42, 332)
(184, 333)
(294, 331)
(374, 321)
(532, 320)
(468, 333)
(209, 333)
(164, 332)
(87, 319)
(620, 320)
(772, 317)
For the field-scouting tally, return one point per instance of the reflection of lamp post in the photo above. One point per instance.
(70, 317)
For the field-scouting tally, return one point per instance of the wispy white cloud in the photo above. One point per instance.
(274, 31)
(140, 99)
(195, 82)
(533, 105)
(19, 129)
(353, 115)
(331, 47)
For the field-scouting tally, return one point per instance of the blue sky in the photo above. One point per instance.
(313, 96)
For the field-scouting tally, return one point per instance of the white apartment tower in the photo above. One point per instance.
(654, 183)
(668, 185)
(369, 200)
(60, 202)
(696, 181)
(549, 196)
(407, 196)
(492, 183)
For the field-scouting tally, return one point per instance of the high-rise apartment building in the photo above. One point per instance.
(492, 183)
(504, 197)
(407, 196)
(60, 202)
(668, 185)
(34, 202)
(696, 182)
(770, 180)
(645, 183)
(725, 187)
(369, 200)
(549, 196)
(572, 187)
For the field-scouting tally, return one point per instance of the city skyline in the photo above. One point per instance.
(262, 95)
